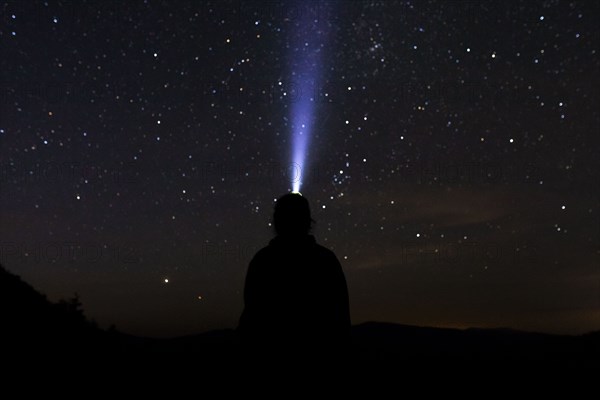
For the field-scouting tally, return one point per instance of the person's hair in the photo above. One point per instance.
(292, 215)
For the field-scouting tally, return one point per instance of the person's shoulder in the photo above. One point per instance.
(262, 253)
(325, 252)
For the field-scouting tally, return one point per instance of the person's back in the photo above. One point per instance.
(295, 294)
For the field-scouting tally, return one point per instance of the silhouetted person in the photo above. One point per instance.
(295, 297)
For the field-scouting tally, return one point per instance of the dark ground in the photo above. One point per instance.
(40, 335)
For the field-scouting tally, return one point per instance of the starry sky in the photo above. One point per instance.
(452, 164)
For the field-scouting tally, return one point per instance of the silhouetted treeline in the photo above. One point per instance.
(32, 323)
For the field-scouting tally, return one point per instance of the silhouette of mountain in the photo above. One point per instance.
(497, 347)
(33, 324)
(387, 342)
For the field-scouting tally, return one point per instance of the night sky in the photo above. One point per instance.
(451, 160)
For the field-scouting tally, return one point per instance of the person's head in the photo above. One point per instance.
(292, 215)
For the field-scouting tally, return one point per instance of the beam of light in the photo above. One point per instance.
(301, 130)
(307, 46)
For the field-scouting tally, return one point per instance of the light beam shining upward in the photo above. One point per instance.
(309, 32)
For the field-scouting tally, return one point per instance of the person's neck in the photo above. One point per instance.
(293, 237)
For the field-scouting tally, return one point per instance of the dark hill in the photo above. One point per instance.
(31, 324)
